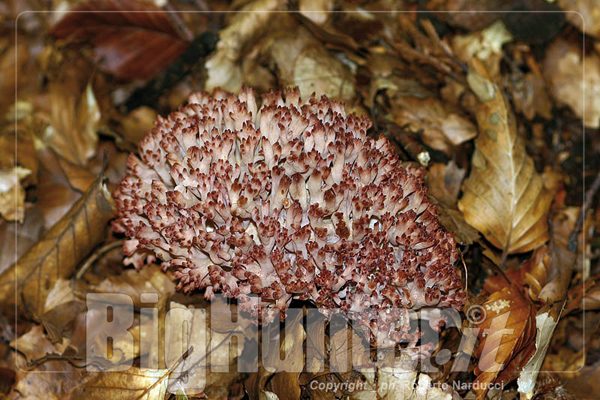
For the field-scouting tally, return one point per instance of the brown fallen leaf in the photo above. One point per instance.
(443, 127)
(58, 253)
(507, 338)
(72, 123)
(129, 45)
(34, 344)
(547, 274)
(504, 197)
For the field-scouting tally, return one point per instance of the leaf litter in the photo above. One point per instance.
(500, 119)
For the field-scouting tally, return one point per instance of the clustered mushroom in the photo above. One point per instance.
(287, 199)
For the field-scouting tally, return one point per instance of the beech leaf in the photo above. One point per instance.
(507, 336)
(58, 252)
(126, 44)
(503, 197)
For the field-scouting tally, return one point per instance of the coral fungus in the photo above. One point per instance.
(287, 199)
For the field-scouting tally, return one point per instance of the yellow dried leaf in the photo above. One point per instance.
(504, 197)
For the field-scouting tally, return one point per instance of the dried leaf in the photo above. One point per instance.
(131, 384)
(58, 253)
(545, 323)
(317, 71)
(563, 70)
(73, 122)
(12, 194)
(129, 45)
(55, 196)
(506, 332)
(224, 67)
(34, 344)
(503, 197)
(442, 126)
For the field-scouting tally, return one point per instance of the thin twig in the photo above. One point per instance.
(162, 378)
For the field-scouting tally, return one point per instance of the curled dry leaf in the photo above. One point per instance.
(504, 197)
(129, 45)
(507, 338)
(12, 193)
(563, 69)
(72, 123)
(58, 253)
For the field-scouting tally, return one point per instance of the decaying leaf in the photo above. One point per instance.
(504, 197)
(129, 45)
(58, 253)
(72, 123)
(12, 194)
(569, 85)
(506, 338)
